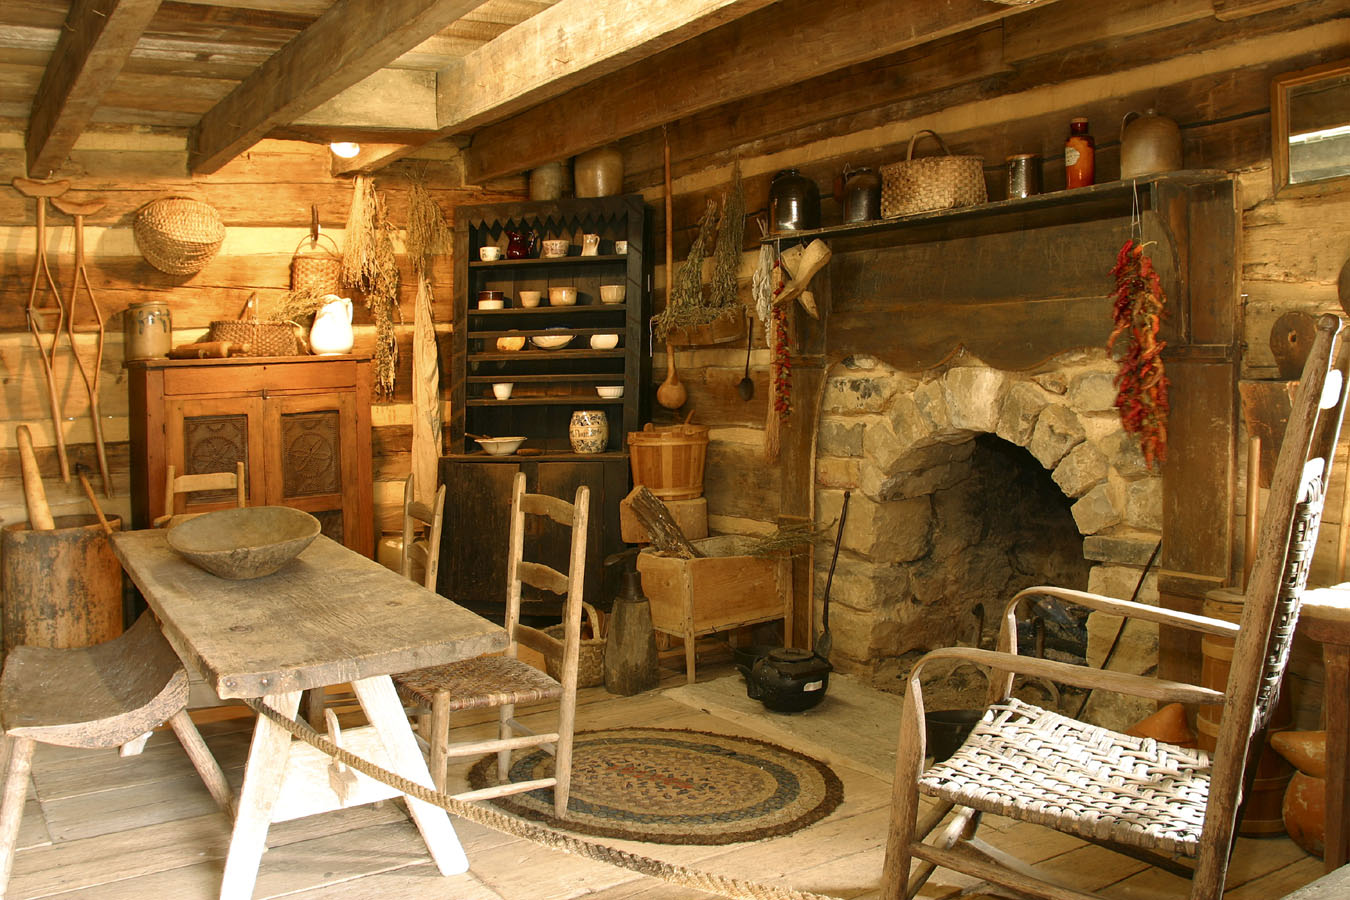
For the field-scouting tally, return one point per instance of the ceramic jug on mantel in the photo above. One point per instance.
(331, 333)
(1149, 144)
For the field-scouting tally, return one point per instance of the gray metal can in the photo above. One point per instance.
(1024, 175)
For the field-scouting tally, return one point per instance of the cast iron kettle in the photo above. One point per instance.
(788, 680)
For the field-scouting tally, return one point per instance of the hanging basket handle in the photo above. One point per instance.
(314, 242)
(909, 154)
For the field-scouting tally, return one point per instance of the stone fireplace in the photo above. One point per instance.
(969, 483)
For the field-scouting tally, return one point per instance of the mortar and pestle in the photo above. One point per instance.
(630, 642)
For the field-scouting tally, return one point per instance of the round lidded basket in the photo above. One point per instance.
(317, 270)
(178, 235)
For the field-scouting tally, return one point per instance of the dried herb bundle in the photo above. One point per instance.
(295, 305)
(369, 266)
(723, 292)
(685, 306)
(428, 235)
(788, 537)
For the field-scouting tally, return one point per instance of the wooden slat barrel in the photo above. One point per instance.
(669, 459)
(62, 588)
(1261, 815)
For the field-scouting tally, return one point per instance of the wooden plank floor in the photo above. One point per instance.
(97, 826)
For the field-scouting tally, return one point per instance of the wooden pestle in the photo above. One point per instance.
(39, 514)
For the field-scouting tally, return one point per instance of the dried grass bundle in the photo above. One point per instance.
(369, 266)
(685, 306)
(428, 234)
(723, 290)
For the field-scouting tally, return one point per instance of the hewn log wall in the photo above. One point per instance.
(264, 198)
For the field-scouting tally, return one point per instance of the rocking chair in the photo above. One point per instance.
(1150, 799)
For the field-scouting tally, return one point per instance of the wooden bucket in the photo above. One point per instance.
(669, 459)
(63, 588)
(1261, 816)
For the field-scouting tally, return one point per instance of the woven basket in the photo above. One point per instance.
(178, 235)
(317, 270)
(935, 182)
(591, 659)
(261, 338)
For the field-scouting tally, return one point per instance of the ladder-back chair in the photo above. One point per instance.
(100, 697)
(175, 484)
(422, 551)
(505, 681)
(1150, 799)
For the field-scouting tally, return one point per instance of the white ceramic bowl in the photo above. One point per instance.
(502, 446)
(489, 254)
(529, 299)
(491, 304)
(551, 341)
(562, 296)
(508, 344)
(502, 390)
(613, 293)
(609, 391)
(553, 247)
(604, 341)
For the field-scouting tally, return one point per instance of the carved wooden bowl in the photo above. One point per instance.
(244, 543)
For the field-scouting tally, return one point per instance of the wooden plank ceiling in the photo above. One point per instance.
(515, 82)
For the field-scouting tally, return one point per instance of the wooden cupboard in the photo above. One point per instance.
(300, 424)
(498, 346)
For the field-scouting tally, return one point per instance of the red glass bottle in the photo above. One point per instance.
(1079, 155)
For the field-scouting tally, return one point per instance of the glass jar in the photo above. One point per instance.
(1079, 155)
(1024, 175)
(147, 330)
(862, 195)
(588, 431)
(794, 202)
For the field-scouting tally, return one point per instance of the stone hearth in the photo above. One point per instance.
(921, 557)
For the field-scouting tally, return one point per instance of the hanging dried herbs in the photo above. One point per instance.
(1141, 382)
(428, 235)
(685, 306)
(369, 266)
(723, 290)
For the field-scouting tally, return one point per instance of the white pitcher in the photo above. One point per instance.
(331, 334)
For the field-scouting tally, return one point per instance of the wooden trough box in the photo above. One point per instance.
(725, 589)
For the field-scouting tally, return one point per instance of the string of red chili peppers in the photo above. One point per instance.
(1141, 383)
(781, 364)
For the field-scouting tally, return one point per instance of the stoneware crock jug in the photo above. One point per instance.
(1149, 143)
(521, 244)
(331, 333)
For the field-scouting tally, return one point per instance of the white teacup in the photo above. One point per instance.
(590, 244)
(502, 390)
(621, 247)
(489, 254)
(553, 247)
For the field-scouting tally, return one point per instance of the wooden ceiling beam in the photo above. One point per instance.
(562, 47)
(95, 43)
(350, 41)
(773, 49)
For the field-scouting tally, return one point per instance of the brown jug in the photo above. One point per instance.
(1149, 144)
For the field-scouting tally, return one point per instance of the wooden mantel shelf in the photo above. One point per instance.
(1097, 201)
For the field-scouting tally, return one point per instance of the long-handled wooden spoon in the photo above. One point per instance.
(90, 373)
(41, 191)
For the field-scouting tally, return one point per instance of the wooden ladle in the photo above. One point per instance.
(671, 394)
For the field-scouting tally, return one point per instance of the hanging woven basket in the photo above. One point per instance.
(317, 267)
(178, 235)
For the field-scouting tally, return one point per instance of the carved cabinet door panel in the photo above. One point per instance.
(211, 435)
(314, 462)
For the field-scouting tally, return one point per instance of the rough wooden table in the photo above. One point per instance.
(327, 617)
(1325, 618)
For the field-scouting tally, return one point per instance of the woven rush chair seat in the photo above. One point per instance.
(1038, 766)
(480, 683)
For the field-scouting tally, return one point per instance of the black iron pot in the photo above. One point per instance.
(788, 680)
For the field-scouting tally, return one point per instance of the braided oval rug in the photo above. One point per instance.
(672, 786)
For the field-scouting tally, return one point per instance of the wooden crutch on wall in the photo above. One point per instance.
(41, 191)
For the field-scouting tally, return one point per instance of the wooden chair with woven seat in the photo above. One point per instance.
(1152, 800)
(505, 681)
(175, 484)
(100, 697)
